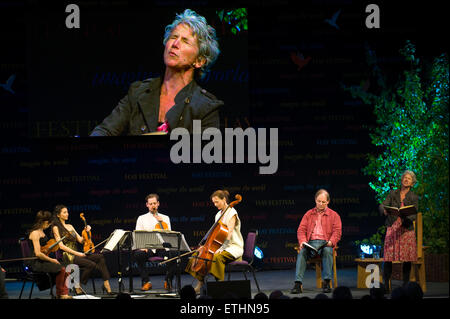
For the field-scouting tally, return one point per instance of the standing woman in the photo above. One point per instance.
(233, 247)
(37, 239)
(400, 241)
(71, 255)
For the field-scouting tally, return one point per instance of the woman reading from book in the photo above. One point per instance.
(400, 240)
(71, 255)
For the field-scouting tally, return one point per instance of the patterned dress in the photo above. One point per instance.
(400, 243)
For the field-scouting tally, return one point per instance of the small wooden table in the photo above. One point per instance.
(362, 274)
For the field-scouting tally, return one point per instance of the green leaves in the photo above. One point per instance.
(413, 133)
(236, 19)
(376, 239)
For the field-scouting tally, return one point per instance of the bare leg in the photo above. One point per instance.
(198, 287)
(107, 286)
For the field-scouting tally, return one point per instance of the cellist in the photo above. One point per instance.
(232, 248)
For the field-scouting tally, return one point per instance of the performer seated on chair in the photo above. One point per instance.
(233, 247)
(71, 255)
(400, 241)
(319, 225)
(37, 239)
(149, 222)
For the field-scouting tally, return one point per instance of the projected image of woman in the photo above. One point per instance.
(175, 99)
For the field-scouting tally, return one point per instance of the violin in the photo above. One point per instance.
(51, 246)
(212, 241)
(87, 236)
(161, 226)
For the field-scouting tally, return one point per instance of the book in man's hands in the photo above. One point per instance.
(313, 250)
(402, 211)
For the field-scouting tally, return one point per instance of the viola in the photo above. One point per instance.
(51, 246)
(88, 244)
(212, 241)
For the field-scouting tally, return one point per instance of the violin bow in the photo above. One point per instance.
(88, 251)
(57, 242)
(31, 258)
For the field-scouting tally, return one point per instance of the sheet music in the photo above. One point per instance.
(155, 240)
(173, 241)
(114, 240)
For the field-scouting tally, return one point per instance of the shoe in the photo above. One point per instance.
(78, 291)
(64, 297)
(198, 289)
(298, 288)
(105, 292)
(168, 285)
(326, 286)
(147, 286)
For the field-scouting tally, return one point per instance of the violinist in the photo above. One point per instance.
(38, 239)
(86, 262)
(232, 248)
(149, 222)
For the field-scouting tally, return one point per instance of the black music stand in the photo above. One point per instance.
(178, 273)
(168, 241)
(117, 242)
(167, 244)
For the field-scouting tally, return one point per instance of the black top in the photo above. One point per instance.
(138, 112)
(393, 200)
(42, 241)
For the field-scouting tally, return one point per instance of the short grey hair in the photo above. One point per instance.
(410, 173)
(206, 36)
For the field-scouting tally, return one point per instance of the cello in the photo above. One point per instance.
(88, 244)
(212, 241)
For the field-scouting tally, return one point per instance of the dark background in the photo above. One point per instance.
(69, 80)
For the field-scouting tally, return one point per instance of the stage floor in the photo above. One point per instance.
(268, 281)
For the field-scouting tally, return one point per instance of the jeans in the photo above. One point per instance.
(327, 260)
